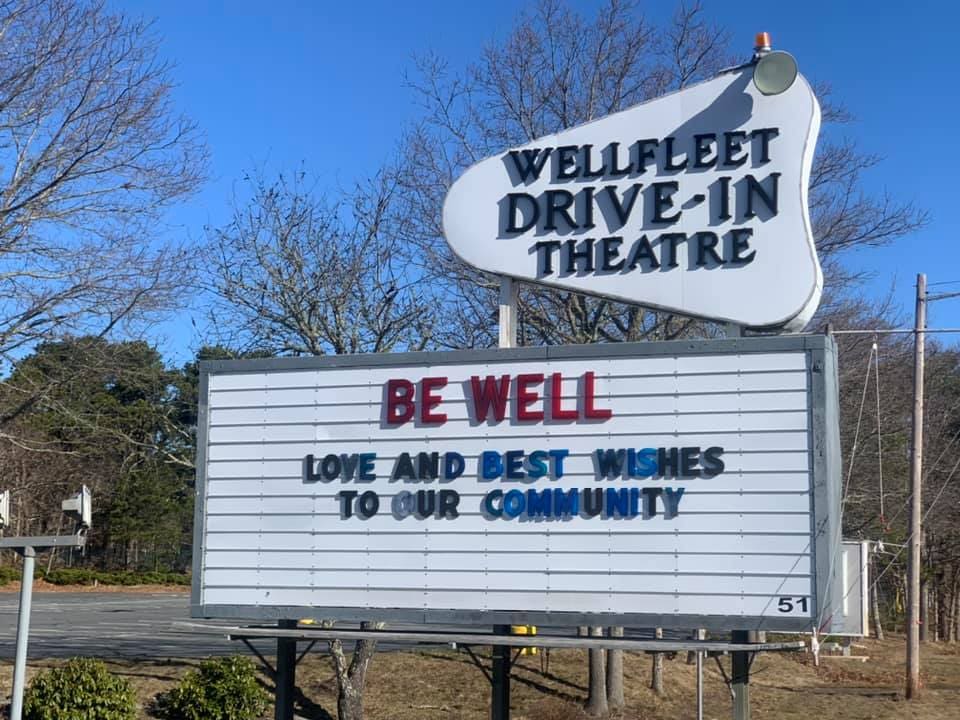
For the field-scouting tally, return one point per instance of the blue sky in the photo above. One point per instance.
(277, 84)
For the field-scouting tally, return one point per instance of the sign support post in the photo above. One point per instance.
(286, 678)
(740, 677)
(500, 669)
(78, 507)
(23, 631)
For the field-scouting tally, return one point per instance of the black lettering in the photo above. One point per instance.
(512, 207)
(703, 146)
(545, 250)
(428, 466)
(712, 462)
(644, 150)
(588, 172)
(624, 209)
(671, 240)
(529, 163)
(668, 462)
(404, 469)
(724, 183)
(642, 250)
(706, 245)
(368, 504)
(669, 164)
(650, 495)
(308, 474)
(592, 501)
(611, 251)
(663, 200)
(690, 462)
(585, 198)
(765, 135)
(330, 466)
(732, 144)
(565, 158)
(574, 256)
(755, 187)
(558, 202)
(447, 505)
(346, 502)
(740, 241)
(613, 169)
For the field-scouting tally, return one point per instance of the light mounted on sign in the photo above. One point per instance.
(774, 71)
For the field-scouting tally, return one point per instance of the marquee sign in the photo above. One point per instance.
(695, 203)
(683, 484)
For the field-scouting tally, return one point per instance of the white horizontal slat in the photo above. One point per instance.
(491, 579)
(504, 601)
(368, 410)
(664, 365)
(691, 502)
(321, 561)
(701, 522)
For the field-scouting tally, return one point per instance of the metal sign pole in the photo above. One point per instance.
(286, 679)
(500, 670)
(700, 635)
(23, 632)
(740, 677)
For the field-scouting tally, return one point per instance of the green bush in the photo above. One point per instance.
(87, 576)
(82, 689)
(221, 689)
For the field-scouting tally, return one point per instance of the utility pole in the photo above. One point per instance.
(916, 466)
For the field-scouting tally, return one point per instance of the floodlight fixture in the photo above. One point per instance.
(79, 507)
(774, 71)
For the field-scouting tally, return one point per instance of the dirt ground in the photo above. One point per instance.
(432, 684)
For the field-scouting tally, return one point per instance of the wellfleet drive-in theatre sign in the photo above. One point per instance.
(676, 484)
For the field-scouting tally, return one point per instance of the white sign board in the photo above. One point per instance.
(686, 484)
(695, 203)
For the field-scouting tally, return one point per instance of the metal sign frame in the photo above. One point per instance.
(824, 463)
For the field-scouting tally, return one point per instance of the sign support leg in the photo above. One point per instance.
(23, 632)
(500, 678)
(500, 672)
(286, 679)
(699, 636)
(740, 677)
(508, 312)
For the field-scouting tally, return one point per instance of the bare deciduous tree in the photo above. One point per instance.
(296, 274)
(91, 153)
(351, 676)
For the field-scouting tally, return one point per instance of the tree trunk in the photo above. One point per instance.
(656, 676)
(352, 677)
(350, 702)
(615, 672)
(597, 697)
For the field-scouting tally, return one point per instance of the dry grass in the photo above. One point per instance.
(433, 684)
